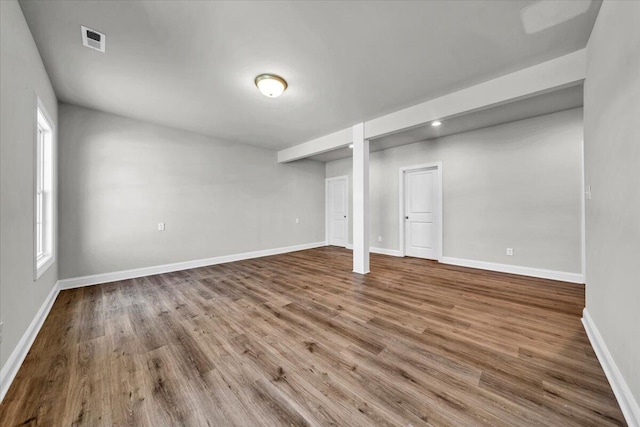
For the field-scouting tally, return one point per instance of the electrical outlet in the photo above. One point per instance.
(379, 238)
(587, 193)
(161, 226)
(509, 251)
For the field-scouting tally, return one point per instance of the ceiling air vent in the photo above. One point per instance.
(93, 39)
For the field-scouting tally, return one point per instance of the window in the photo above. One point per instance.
(44, 197)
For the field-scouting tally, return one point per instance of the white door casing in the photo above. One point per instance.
(421, 211)
(337, 214)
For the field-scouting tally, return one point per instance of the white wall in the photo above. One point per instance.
(22, 77)
(515, 185)
(612, 168)
(120, 177)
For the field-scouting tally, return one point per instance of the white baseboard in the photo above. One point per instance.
(12, 365)
(382, 251)
(96, 279)
(628, 405)
(515, 269)
(502, 268)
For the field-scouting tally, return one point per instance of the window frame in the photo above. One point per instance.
(44, 191)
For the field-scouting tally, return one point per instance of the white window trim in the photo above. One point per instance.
(42, 262)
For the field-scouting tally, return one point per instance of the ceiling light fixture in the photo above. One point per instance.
(271, 85)
(436, 123)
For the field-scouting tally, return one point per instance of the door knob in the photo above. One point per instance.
(406, 217)
(345, 216)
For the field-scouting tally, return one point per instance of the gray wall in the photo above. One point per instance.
(22, 77)
(612, 168)
(515, 185)
(120, 177)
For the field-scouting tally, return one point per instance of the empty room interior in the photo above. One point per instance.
(315, 213)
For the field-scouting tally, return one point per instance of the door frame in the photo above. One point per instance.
(327, 214)
(401, 223)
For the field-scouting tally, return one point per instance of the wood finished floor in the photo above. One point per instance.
(297, 339)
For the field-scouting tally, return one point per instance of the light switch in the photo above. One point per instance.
(161, 226)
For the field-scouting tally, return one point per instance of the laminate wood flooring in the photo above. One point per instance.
(297, 339)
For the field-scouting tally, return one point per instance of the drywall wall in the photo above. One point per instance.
(119, 178)
(515, 185)
(22, 78)
(612, 169)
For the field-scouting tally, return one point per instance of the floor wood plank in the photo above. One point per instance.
(297, 339)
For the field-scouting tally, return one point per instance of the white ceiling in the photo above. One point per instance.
(547, 103)
(191, 65)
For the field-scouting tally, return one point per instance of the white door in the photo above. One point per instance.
(337, 213)
(421, 200)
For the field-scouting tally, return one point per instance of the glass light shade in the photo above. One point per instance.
(271, 85)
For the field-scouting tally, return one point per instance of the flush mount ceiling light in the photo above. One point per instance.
(271, 85)
(436, 123)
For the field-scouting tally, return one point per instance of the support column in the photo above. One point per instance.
(360, 200)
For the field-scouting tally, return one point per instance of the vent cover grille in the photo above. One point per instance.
(93, 39)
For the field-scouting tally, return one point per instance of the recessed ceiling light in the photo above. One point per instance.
(436, 123)
(271, 85)
(351, 146)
